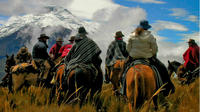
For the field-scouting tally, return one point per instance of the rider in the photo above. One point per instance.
(54, 51)
(191, 56)
(142, 44)
(64, 50)
(23, 56)
(41, 57)
(85, 51)
(116, 50)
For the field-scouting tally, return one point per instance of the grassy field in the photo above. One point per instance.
(34, 99)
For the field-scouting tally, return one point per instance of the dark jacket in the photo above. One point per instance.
(116, 50)
(40, 50)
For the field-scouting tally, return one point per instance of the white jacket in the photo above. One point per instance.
(142, 46)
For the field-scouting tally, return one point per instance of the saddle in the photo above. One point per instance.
(23, 67)
(158, 79)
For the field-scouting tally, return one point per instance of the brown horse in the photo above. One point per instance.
(140, 86)
(23, 74)
(79, 83)
(116, 75)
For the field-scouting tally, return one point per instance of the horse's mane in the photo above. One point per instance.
(175, 63)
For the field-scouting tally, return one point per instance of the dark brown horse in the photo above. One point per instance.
(7, 79)
(140, 86)
(183, 75)
(79, 83)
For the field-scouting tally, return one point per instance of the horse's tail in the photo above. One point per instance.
(139, 90)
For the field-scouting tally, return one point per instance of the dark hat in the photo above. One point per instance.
(43, 36)
(59, 39)
(72, 38)
(82, 30)
(144, 24)
(191, 41)
(118, 34)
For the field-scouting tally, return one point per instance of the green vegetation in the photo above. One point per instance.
(34, 99)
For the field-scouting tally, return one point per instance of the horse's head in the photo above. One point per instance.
(173, 66)
(10, 61)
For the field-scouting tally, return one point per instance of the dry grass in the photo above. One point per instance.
(34, 99)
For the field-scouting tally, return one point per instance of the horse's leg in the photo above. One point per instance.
(52, 93)
(155, 102)
(10, 84)
(115, 81)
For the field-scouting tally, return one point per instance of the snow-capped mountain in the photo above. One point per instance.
(54, 16)
(24, 30)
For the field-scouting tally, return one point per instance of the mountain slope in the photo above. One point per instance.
(24, 30)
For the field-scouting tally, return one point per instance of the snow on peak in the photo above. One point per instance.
(55, 16)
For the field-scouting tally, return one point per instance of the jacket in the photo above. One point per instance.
(64, 50)
(40, 50)
(116, 50)
(191, 56)
(142, 46)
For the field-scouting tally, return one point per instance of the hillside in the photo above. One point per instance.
(34, 99)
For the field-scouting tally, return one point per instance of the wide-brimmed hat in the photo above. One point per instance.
(43, 36)
(191, 41)
(59, 39)
(118, 34)
(82, 30)
(72, 38)
(23, 50)
(144, 24)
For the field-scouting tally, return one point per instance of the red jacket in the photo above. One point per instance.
(55, 50)
(64, 50)
(191, 56)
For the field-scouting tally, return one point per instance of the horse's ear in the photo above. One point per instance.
(169, 62)
(12, 55)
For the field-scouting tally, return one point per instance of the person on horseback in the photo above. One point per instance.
(23, 56)
(116, 50)
(41, 57)
(54, 51)
(191, 56)
(84, 52)
(64, 50)
(142, 45)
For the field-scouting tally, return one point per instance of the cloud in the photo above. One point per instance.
(149, 1)
(20, 7)
(178, 12)
(86, 8)
(194, 35)
(181, 13)
(161, 25)
(118, 20)
(192, 18)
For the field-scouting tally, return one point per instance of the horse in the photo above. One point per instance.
(79, 83)
(183, 75)
(7, 79)
(23, 74)
(140, 86)
(116, 75)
